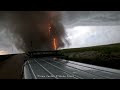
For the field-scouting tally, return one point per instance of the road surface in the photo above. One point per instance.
(53, 68)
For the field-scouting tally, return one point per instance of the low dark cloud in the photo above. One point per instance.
(91, 18)
(29, 29)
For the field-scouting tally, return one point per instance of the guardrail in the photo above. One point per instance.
(43, 53)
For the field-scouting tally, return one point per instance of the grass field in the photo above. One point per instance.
(104, 55)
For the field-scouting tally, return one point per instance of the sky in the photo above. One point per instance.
(85, 36)
(83, 29)
(92, 28)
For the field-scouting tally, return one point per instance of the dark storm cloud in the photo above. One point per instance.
(4, 40)
(77, 18)
(90, 28)
(29, 29)
(23, 27)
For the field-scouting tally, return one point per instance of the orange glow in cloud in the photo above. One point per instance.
(54, 44)
(54, 39)
(49, 29)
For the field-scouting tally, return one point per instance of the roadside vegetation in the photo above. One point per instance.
(105, 55)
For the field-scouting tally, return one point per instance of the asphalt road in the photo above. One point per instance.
(53, 68)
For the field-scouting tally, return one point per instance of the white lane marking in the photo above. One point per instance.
(101, 70)
(45, 69)
(104, 69)
(64, 70)
(32, 70)
(25, 75)
(78, 69)
(97, 70)
(84, 71)
(75, 68)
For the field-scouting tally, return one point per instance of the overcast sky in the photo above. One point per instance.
(83, 28)
(91, 28)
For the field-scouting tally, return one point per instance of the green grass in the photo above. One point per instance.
(102, 48)
(105, 55)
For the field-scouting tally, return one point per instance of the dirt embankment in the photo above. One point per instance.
(10, 68)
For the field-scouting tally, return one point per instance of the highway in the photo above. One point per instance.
(54, 68)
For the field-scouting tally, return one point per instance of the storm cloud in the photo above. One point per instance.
(29, 29)
(91, 18)
(18, 29)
